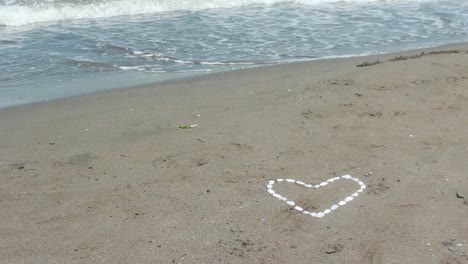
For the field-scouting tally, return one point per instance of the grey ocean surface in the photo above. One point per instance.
(52, 49)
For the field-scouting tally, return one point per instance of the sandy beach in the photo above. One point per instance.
(111, 178)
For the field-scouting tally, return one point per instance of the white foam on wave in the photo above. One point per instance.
(13, 14)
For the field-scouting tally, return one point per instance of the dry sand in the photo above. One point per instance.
(110, 178)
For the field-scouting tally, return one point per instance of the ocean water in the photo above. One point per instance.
(58, 48)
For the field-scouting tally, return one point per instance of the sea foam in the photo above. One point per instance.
(19, 13)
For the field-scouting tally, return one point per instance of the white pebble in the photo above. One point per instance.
(363, 187)
(342, 203)
(277, 195)
(308, 185)
(355, 179)
(269, 186)
(319, 215)
(305, 212)
(331, 180)
(349, 199)
(334, 207)
(271, 191)
(336, 178)
(291, 203)
(346, 177)
(360, 183)
(316, 186)
(323, 183)
(283, 199)
(290, 180)
(300, 183)
(313, 214)
(355, 194)
(360, 190)
(279, 180)
(298, 208)
(271, 182)
(327, 211)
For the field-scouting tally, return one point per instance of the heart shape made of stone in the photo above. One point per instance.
(326, 211)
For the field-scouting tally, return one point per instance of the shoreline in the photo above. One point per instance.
(383, 56)
(110, 177)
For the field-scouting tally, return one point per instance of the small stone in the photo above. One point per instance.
(300, 209)
(51, 143)
(208, 191)
(450, 246)
(20, 167)
(461, 194)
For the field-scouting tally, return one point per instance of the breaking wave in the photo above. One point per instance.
(21, 12)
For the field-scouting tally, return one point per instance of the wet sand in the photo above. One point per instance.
(111, 178)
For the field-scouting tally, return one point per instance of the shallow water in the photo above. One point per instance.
(51, 49)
